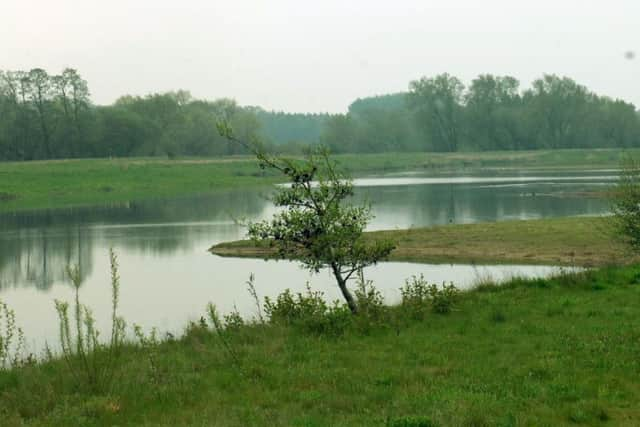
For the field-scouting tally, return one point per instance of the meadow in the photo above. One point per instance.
(543, 352)
(64, 183)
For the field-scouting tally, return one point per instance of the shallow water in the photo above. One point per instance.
(168, 276)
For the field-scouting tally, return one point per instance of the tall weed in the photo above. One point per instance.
(149, 343)
(223, 334)
(90, 362)
(251, 287)
(12, 342)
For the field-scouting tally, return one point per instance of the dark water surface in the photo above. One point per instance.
(168, 276)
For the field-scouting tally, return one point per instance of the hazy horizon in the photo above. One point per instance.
(283, 55)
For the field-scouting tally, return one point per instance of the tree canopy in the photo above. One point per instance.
(45, 116)
(492, 113)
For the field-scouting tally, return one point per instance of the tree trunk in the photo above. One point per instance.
(342, 284)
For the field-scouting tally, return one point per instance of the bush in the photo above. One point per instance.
(625, 204)
(289, 308)
(418, 296)
(308, 311)
(233, 321)
(369, 299)
(444, 298)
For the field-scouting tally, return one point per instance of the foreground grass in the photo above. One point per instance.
(562, 351)
(584, 241)
(59, 183)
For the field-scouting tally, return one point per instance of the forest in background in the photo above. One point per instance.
(44, 116)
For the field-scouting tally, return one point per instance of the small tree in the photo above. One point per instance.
(625, 204)
(316, 226)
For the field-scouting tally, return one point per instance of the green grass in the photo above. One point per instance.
(60, 183)
(77, 182)
(585, 241)
(562, 351)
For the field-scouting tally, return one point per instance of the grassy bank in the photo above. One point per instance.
(45, 184)
(531, 160)
(584, 241)
(50, 184)
(561, 351)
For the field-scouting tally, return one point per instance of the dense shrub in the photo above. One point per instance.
(308, 311)
(418, 297)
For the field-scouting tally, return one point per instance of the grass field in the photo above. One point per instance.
(560, 351)
(584, 241)
(60, 183)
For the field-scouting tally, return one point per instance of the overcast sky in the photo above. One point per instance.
(317, 56)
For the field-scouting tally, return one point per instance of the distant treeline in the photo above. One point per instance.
(45, 116)
(441, 114)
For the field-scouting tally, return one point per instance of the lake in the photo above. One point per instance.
(168, 276)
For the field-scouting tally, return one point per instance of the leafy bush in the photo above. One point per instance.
(443, 299)
(369, 299)
(308, 311)
(418, 296)
(289, 308)
(233, 320)
(372, 312)
(625, 204)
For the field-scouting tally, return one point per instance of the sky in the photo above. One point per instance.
(319, 56)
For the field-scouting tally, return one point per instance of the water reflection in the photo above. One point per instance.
(425, 205)
(38, 257)
(36, 247)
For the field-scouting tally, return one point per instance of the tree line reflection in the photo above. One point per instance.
(36, 247)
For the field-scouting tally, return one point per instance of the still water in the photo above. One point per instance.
(168, 276)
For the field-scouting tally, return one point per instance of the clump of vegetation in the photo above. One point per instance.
(149, 344)
(317, 226)
(308, 311)
(222, 331)
(7, 197)
(625, 204)
(418, 296)
(12, 343)
(370, 300)
(90, 362)
(233, 320)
